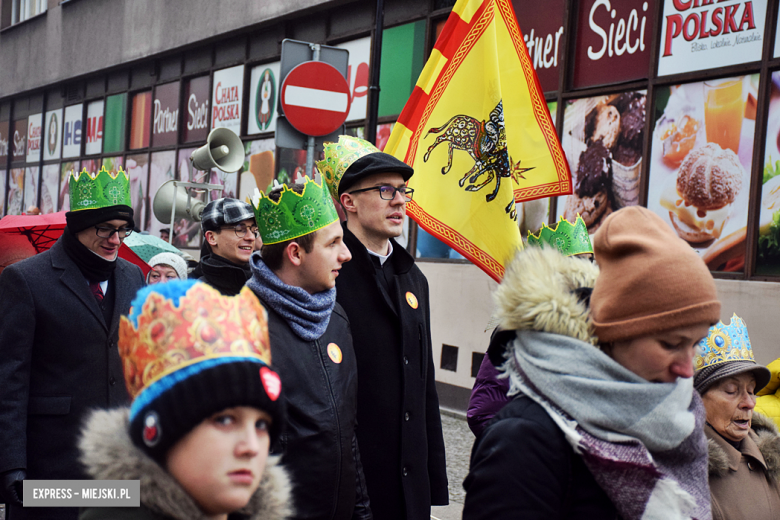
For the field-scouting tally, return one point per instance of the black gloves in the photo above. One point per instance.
(11, 486)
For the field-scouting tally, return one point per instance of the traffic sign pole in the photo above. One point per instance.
(315, 49)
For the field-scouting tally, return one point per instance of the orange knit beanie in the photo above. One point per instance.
(651, 280)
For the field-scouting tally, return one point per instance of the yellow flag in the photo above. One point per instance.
(478, 134)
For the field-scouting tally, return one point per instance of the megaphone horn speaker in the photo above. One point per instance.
(163, 203)
(223, 150)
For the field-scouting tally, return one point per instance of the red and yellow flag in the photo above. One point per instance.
(478, 134)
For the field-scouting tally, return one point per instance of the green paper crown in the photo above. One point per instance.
(570, 239)
(101, 191)
(340, 156)
(294, 215)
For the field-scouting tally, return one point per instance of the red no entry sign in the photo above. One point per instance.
(315, 98)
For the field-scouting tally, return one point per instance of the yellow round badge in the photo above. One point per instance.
(334, 353)
(411, 299)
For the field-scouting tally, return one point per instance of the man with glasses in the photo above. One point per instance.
(385, 296)
(230, 230)
(58, 339)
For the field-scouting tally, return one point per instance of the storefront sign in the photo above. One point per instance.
(263, 94)
(34, 132)
(613, 41)
(53, 134)
(140, 120)
(165, 129)
(705, 34)
(95, 127)
(543, 34)
(19, 146)
(3, 142)
(357, 76)
(777, 37)
(71, 133)
(226, 98)
(196, 95)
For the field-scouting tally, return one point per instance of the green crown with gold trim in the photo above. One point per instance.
(295, 214)
(570, 239)
(103, 190)
(724, 343)
(340, 156)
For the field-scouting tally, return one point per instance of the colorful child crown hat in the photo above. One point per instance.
(294, 214)
(187, 353)
(570, 239)
(351, 159)
(726, 351)
(97, 198)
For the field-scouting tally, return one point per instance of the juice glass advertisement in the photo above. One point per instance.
(602, 138)
(702, 150)
(768, 257)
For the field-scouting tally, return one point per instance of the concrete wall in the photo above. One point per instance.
(461, 306)
(85, 36)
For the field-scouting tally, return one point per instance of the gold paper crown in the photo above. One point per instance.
(724, 343)
(169, 335)
(339, 157)
(570, 239)
(102, 190)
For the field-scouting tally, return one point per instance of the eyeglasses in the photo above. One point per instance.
(241, 230)
(108, 232)
(388, 192)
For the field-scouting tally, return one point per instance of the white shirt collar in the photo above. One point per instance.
(383, 259)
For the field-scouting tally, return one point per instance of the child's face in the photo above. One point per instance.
(221, 461)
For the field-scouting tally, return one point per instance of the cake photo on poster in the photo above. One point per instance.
(603, 139)
(702, 150)
(768, 257)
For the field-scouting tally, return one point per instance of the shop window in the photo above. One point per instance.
(22, 10)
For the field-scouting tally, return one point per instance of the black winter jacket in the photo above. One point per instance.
(223, 275)
(524, 439)
(319, 445)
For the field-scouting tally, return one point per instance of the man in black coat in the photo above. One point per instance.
(58, 343)
(385, 296)
(311, 348)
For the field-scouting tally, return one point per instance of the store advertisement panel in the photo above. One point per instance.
(137, 167)
(165, 128)
(602, 139)
(186, 231)
(2, 192)
(543, 34)
(226, 99)
(141, 120)
(768, 257)
(113, 164)
(114, 127)
(4, 125)
(357, 76)
(34, 135)
(15, 189)
(95, 127)
(263, 95)
(162, 170)
(777, 37)
(53, 133)
(19, 151)
(258, 170)
(49, 183)
(196, 117)
(702, 149)
(710, 35)
(30, 188)
(613, 41)
(71, 132)
(65, 170)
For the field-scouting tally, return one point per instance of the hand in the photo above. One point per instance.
(11, 486)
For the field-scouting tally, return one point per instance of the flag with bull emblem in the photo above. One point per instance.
(478, 134)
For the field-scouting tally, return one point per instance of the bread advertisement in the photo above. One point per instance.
(768, 255)
(700, 164)
(602, 139)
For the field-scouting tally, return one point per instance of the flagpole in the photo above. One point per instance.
(376, 59)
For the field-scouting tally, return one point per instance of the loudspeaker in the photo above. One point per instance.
(223, 150)
(163, 203)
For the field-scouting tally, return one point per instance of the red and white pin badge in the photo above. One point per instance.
(271, 383)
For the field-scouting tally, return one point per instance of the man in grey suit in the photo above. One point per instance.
(58, 340)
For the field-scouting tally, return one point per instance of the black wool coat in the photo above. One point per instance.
(522, 467)
(58, 359)
(399, 426)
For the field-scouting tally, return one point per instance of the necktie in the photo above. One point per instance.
(97, 292)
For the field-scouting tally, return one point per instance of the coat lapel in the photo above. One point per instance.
(123, 294)
(73, 279)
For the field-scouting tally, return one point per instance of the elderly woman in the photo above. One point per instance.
(604, 422)
(744, 446)
(166, 267)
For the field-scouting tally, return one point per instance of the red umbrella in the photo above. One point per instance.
(43, 230)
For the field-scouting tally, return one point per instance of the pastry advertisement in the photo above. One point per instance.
(602, 139)
(768, 254)
(702, 150)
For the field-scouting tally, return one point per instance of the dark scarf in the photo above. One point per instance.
(224, 275)
(94, 267)
(307, 314)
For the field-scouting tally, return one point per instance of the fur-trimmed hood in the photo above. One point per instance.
(767, 439)
(538, 293)
(108, 454)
